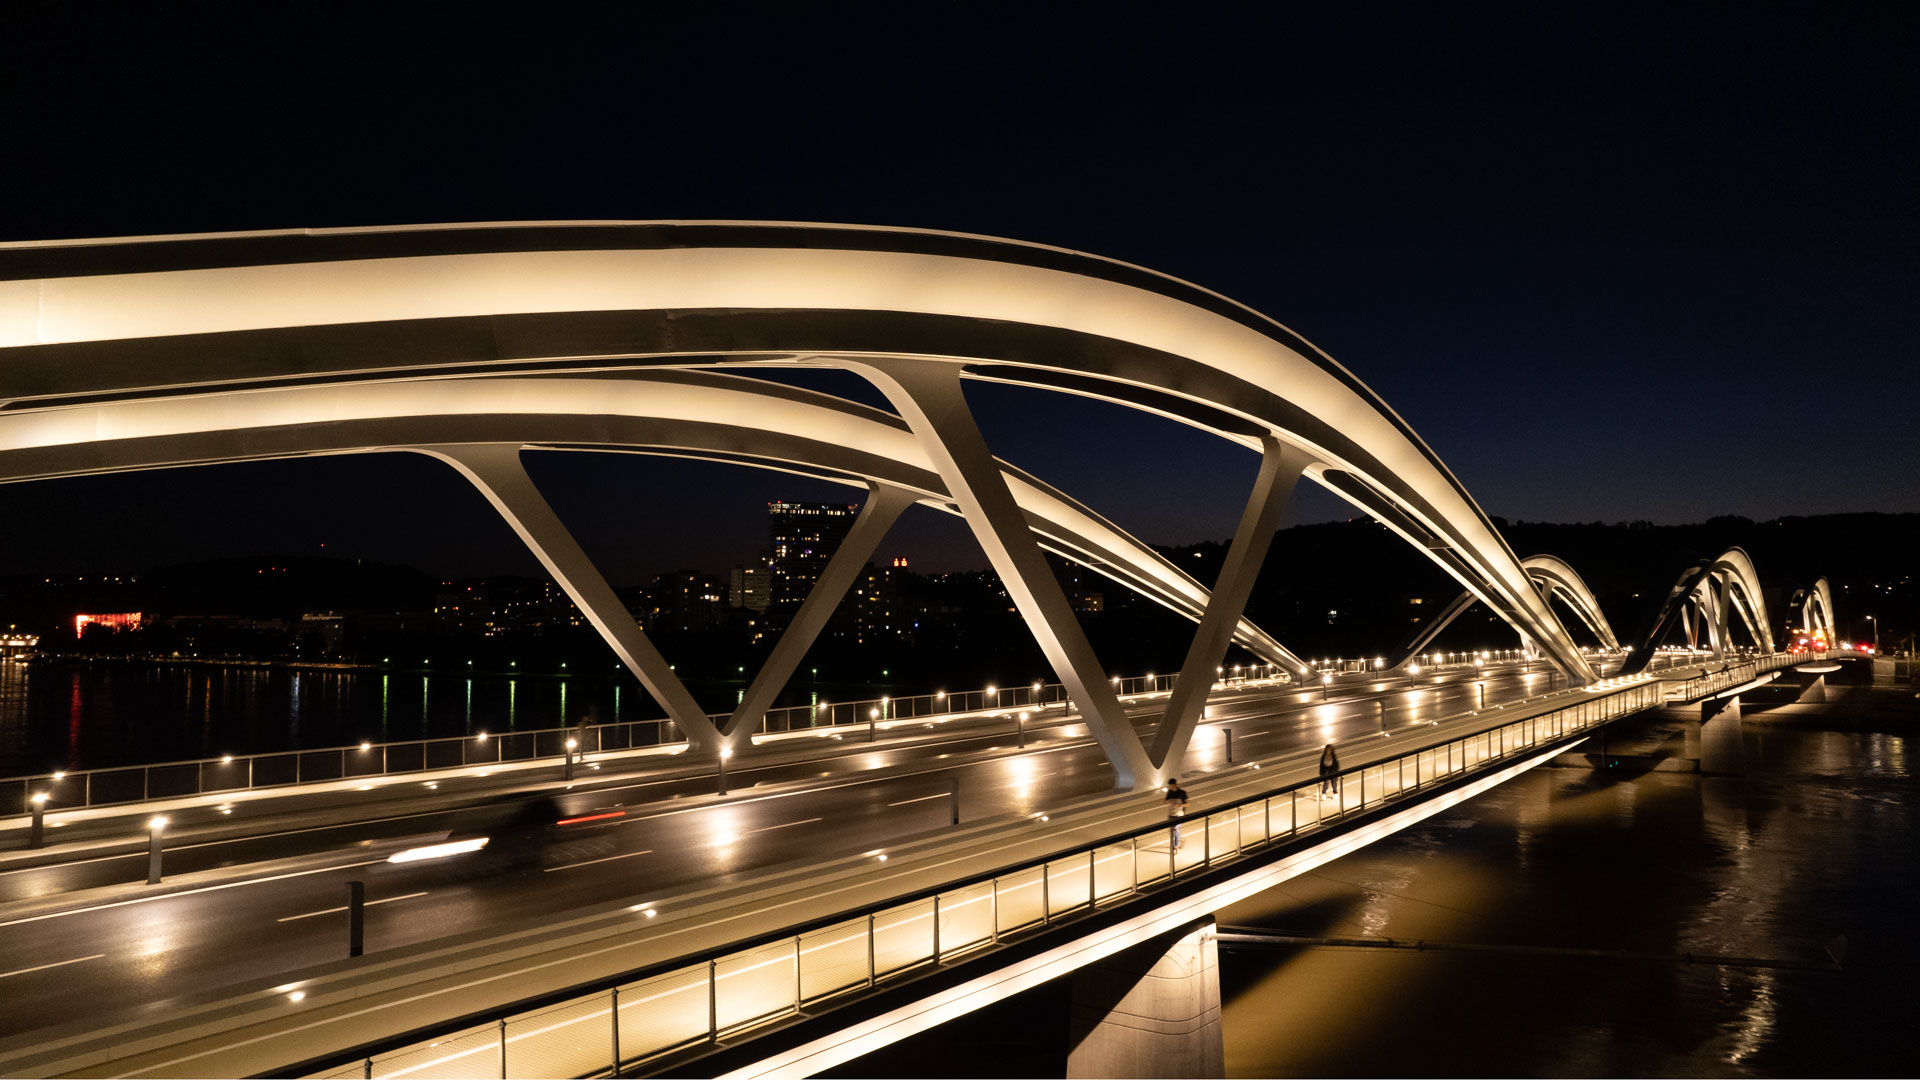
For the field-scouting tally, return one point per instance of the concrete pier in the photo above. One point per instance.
(1150, 1011)
(1721, 751)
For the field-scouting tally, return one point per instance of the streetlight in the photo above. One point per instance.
(566, 771)
(1326, 686)
(724, 755)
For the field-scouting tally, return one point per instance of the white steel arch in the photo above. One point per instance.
(86, 322)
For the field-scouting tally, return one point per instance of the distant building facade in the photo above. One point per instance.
(801, 537)
(750, 587)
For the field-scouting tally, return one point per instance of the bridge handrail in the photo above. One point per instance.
(1731, 675)
(615, 1024)
(112, 785)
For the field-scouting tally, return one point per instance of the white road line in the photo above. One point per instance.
(922, 798)
(333, 910)
(590, 862)
(43, 967)
(770, 828)
(190, 892)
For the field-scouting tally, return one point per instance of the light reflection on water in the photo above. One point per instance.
(108, 713)
(1817, 841)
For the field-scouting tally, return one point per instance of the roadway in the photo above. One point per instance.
(78, 944)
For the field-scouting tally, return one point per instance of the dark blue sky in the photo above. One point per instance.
(1612, 262)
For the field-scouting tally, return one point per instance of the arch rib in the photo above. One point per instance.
(884, 506)
(496, 470)
(928, 394)
(1281, 465)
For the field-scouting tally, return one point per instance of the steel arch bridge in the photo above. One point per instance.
(472, 343)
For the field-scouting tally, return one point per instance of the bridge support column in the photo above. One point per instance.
(1722, 752)
(1152, 1010)
(1815, 693)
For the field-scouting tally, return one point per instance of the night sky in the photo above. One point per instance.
(1611, 263)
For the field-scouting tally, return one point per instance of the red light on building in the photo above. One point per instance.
(118, 621)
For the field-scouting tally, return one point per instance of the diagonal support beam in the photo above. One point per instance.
(884, 506)
(929, 397)
(496, 470)
(1280, 467)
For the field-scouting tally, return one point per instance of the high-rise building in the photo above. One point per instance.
(750, 587)
(801, 537)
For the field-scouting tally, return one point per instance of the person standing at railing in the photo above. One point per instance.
(580, 731)
(1176, 807)
(1329, 772)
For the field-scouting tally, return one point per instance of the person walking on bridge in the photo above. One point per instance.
(1176, 807)
(1329, 772)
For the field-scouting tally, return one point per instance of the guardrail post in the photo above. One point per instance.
(1046, 901)
(993, 912)
(873, 967)
(1092, 870)
(798, 992)
(36, 832)
(713, 997)
(614, 1017)
(356, 917)
(936, 929)
(503, 1050)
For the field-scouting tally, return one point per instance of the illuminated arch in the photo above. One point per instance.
(915, 312)
(1551, 575)
(1706, 597)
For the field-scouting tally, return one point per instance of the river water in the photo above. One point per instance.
(97, 714)
(1815, 843)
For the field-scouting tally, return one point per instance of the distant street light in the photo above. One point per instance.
(1326, 687)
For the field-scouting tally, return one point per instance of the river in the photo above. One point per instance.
(1815, 843)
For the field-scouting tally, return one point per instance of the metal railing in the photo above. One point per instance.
(1732, 675)
(611, 1026)
(880, 717)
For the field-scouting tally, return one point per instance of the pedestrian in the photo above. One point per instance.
(1329, 771)
(580, 733)
(1176, 807)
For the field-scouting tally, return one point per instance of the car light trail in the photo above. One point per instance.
(438, 851)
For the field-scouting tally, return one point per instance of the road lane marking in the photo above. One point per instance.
(923, 798)
(334, 910)
(188, 892)
(590, 862)
(770, 828)
(43, 967)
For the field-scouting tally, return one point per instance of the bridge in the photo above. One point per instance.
(475, 345)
